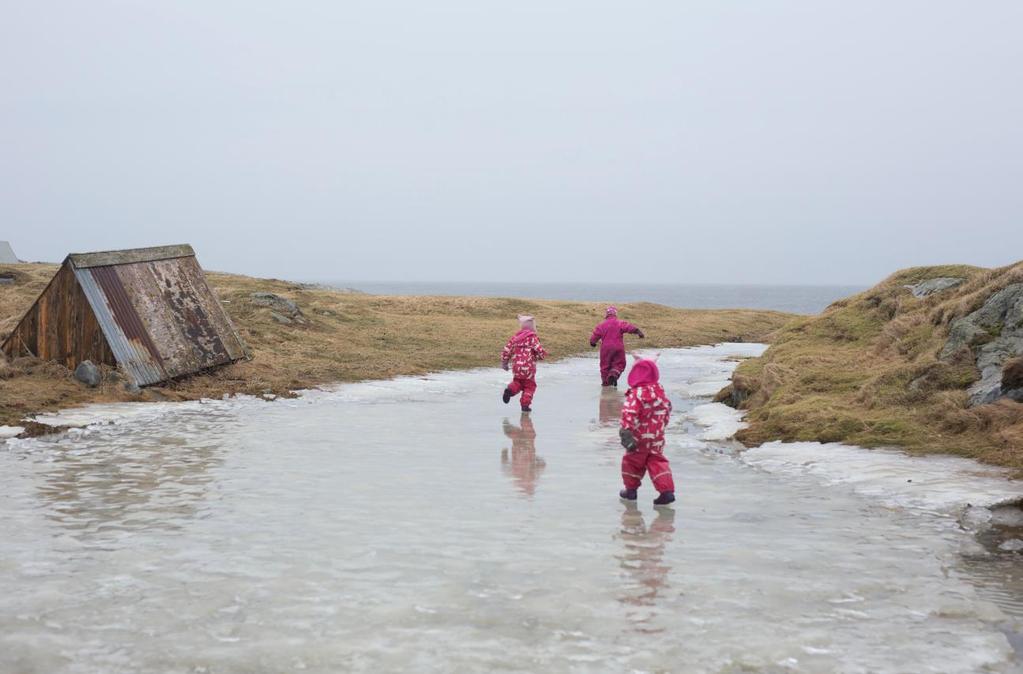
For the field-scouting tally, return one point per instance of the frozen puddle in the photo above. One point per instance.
(420, 525)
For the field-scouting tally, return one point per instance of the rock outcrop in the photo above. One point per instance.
(883, 368)
(995, 335)
(283, 310)
(934, 285)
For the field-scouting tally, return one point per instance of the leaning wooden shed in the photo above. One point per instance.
(147, 310)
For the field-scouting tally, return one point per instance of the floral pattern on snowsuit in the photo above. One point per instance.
(646, 412)
(521, 352)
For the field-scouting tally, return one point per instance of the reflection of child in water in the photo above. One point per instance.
(610, 407)
(643, 558)
(524, 466)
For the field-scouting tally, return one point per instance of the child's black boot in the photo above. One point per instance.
(627, 494)
(507, 395)
(665, 498)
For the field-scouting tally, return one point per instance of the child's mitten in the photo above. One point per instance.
(628, 439)
(504, 365)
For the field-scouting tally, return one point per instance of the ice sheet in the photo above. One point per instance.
(943, 484)
(422, 525)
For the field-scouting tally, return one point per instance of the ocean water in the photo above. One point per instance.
(419, 524)
(799, 299)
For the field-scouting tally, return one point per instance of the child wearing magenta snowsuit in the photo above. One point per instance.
(645, 414)
(521, 353)
(610, 334)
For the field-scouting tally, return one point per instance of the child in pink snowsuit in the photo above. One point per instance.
(644, 417)
(612, 345)
(521, 352)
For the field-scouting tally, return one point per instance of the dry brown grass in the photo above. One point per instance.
(867, 372)
(351, 337)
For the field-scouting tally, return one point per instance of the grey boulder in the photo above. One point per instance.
(88, 374)
(281, 307)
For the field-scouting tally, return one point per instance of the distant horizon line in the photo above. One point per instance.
(708, 284)
(350, 282)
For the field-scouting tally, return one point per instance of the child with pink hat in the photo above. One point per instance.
(645, 415)
(611, 333)
(521, 353)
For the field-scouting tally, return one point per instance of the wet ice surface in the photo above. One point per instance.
(939, 484)
(420, 524)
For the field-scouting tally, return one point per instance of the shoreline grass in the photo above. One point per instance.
(347, 337)
(867, 371)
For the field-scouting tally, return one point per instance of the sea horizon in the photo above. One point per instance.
(794, 298)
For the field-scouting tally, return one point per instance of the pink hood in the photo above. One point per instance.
(521, 336)
(644, 371)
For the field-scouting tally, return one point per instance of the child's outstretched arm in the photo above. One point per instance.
(595, 336)
(506, 354)
(632, 329)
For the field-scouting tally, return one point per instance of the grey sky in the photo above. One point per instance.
(812, 141)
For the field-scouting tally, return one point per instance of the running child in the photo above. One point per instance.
(521, 353)
(644, 416)
(610, 333)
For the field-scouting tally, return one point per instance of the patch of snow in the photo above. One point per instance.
(976, 518)
(703, 388)
(10, 431)
(1011, 545)
(943, 484)
(720, 421)
(1007, 516)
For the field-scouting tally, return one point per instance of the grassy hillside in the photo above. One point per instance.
(869, 371)
(348, 337)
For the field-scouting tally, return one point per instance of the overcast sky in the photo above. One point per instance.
(772, 142)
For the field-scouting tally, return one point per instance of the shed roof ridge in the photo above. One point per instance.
(106, 258)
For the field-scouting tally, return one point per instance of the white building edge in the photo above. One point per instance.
(7, 253)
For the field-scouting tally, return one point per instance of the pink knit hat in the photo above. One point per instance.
(611, 311)
(644, 371)
(527, 323)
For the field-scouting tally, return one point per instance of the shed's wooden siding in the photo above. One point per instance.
(60, 326)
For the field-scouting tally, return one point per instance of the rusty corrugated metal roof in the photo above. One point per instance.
(157, 312)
